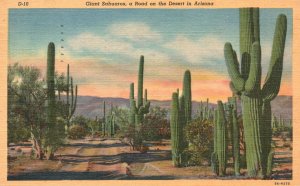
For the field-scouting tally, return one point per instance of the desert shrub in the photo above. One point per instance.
(155, 125)
(80, 120)
(77, 132)
(199, 134)
(94, 127)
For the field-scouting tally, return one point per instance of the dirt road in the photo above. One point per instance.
(110, 159)
(83, 160)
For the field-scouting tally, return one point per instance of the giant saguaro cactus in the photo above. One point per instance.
(181, 114)
(176, 123)
(141, 107)
(219, 156)
(51, 108)
(50, 85)
(247, 82)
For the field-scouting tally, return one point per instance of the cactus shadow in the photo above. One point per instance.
(67, 175)
(151, 155)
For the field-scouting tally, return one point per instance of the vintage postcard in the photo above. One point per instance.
(178, 92)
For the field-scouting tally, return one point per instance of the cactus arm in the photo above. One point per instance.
(273, 79)
(141, 110)
(233, 89)
(232, 68)
(252, 84)
(246, 39)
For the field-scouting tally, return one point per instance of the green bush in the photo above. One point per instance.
(156, 126)
(199, 134)
(77, 132)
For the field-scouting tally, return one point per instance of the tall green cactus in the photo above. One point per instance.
(246, 81)
(221, 150)
(104, 120)
(219, 156)
(181, 114)
(51, 110)
(71, 99)
(214, 159)
(187, 96)
(176, 131)
(51, 102)
(142, 107)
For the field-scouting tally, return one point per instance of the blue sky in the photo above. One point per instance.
(110, 41)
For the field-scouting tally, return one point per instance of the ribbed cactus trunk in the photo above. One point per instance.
(214, 157)
(246, 81)
(219, 156)
(185, 106)
(51, 109)
(176, 131)
(132, 105)
(187, 95)
(234, 134)
(140, 115)
(221, 150)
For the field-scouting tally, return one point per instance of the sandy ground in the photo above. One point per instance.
(98, 159)
(79, 159)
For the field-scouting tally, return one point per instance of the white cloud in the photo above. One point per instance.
(134, 31)
(199, 50)
(92, 42)
(109, 44)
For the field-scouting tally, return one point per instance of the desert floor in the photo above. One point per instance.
(112, 159)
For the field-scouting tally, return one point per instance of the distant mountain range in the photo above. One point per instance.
(91, 107)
